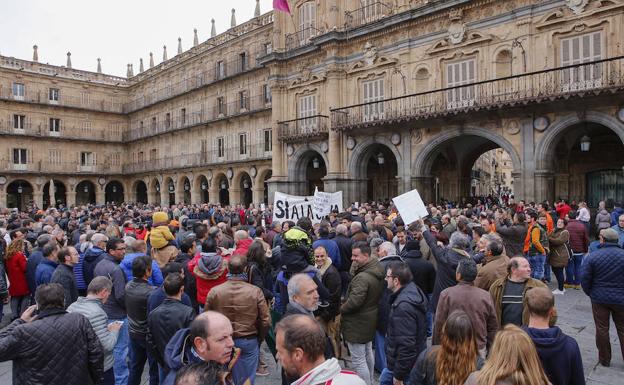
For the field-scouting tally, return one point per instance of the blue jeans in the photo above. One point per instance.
(547, 271)
(537, 265)
(380, 351)
(138, 356)
(108, 377)
(247, 364)
(429, 317)
(120, 353)
(573, 270)
(386, 377)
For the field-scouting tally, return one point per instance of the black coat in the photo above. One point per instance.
(65, 276)
(344, 245)
(407, 330)
(262, 277)
(57, 348)
(190, 284)
(422, 270)
(331, 280)
(163, 322)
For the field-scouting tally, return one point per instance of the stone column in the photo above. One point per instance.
(332, 94)
(196, 195)
(278, 159)
(71, 198)
(151, 197)
(423, 185)
(100, 196)
(3, 197)
(235, 195)
(164, 196)
(544, 185)
(257, 194)
(213, 192)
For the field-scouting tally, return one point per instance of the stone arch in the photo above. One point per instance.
(422, 78)
(301, 156)
(85, 192)
(360, 153)
(140, 191)
(114, 191)
(544, 151)
(220, 180)
(503, 60)
(154, 189)
(304, 178)
(20, 193)
(60, 193)
(169, 185)
(425, 158)
(201, 185)
(239, 181)
(184, 187)
(264, 174)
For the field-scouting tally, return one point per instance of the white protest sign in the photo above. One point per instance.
(410, 206)
(292, 207)
(323, 202)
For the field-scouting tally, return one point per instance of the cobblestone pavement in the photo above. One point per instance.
(575, 318)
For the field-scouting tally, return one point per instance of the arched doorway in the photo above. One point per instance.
(186, 194)
(224, 193)
(114, 192)
(490, 176)
(85, 193)
(19, 194)
(59, 195)
(245, 187)
(156, 186)
(307, 169)
(140, 191)
(201, 185)
(381, 174)
(267, 176)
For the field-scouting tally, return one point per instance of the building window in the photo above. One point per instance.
(307, 21)
(19, 122)
(242, 61)
(54, 156)
(220, 147)
(460, 74)
(86, 127)
(576, 51)
(87, 159)
(372, 96)
(168, 120)
(307, 112)
(242, 143)
(220, 69)
(242, 100)
(153, 123)
(371, 9)
(221, 105)
(268, 48)
(19, 156)
(85, 98)
(115, 159)
(55, 126)
(19, 90)
(183, 116)
(268, 140)
(141, 124)
(153, 154)
(266, 94)
(53, 95)
(141, 159)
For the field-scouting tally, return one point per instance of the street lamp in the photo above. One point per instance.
(223, 185)
(245, 183)
(585, 143)
(316, 163)
(171, 187)
(114, 189)
(157, 188)
(86, 188)
(186, 187)
(204, 186)
(20, 189)
(380, 158)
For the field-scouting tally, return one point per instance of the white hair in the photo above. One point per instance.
(388, 248)
(295, 283)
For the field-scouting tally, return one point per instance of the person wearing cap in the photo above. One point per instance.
(160, 236)
(601, 280)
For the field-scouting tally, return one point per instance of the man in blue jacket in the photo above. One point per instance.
(559, 353)
(601, 279)
(48, 264)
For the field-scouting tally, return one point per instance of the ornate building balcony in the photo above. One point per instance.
(301, 37)
(368, 13)
(46, 167)
(601, 76)
(62, 99)
(304, 129)
(68, 132)
(216, 157)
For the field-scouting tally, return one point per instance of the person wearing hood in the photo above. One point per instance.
(300, 347)
(208, 339)
(137, 248)
(619, 229)
(406, 334)
(242, 242)
(209, 269)
(603, 218)
(615, 214)
(359, 310)
(92, 256)
(559, 353)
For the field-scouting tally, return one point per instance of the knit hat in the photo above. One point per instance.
(159, 217)
(210, 263)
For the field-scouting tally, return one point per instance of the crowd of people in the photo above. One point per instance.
(192, 292)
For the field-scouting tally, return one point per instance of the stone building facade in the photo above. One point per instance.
(373, 98)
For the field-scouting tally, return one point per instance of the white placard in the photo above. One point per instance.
(410, 206)
(292, 207)
(322, 204)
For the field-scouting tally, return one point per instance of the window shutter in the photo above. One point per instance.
(95, 159)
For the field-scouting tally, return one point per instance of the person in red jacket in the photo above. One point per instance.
(209, 268)
(562, 208)
(242, 242)
(579, 243)
(16, 270)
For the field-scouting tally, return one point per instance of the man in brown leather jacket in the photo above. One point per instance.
(244, 304)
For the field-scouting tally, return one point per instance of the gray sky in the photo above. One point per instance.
(119, 32)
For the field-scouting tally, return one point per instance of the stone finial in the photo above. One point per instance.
(213, 30)
(257, 10)
(195, 38)
(151, 60)
(233, 20)
(69, 60)
(129, 73)
(99, 66)
(141, 68)
(164, 53)
(179, 45)
(35, 54)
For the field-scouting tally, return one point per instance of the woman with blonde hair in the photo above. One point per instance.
(454, 359)
(513, 360)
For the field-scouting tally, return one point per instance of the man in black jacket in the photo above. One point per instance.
(53, 347)
(407, 325)
(424, 275)
(344, 246)
(171, 316)
(187, 252)
(137, 292)
(64, 273)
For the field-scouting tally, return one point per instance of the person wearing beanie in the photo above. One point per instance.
(209, 269)
(160, 236)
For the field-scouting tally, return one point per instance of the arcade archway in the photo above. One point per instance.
(85, 193)
(19, 194)
(114, 192)
(59, 194)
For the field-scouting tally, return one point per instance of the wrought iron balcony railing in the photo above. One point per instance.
(370, 12)
(199, 116)
(301, 37)
(63, 99)
(45, 166)
(311, 127)
(112, 134)
(199, 159)
(595, 77)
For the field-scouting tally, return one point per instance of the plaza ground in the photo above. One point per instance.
(575, 319)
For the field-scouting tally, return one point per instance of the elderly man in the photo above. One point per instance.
(495, 262)
(237, 299)
(303, 298)
(357, 234)
(601, 279)
(93, 256)
(136, 248)
(208, 340)
(359, 310)
(242, 242)
(34, 344)
(91, 307)
(508, 293)
(619, 229)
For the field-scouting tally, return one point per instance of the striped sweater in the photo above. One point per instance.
(92, 310)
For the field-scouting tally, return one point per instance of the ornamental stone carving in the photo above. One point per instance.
(577, 6)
